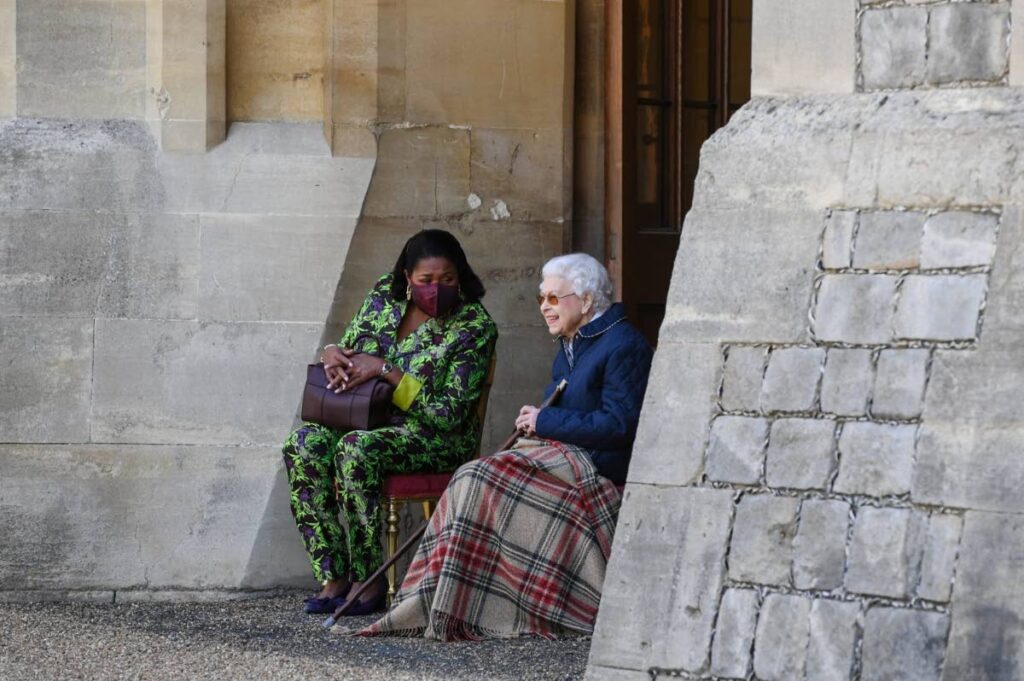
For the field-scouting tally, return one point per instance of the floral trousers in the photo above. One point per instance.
(332, 474)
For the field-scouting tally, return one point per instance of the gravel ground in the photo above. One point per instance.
(265, 638)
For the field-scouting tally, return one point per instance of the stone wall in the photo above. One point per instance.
(824, 484)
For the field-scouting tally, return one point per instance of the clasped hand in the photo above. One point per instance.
(526, 422)
(346, 368)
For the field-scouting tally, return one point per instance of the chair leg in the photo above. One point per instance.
(392, 529)
(428, 508)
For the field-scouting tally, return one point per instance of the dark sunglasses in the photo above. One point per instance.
(552, 298)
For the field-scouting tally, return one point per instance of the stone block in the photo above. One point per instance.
(260, 268)
(420, 171)
(899, 384)
(885, 552)
(762, 540)
(800, 453)
(939, 557)
(147, 517)
(959, 239)
(47, 379)
(198, 383)
(785, 33)
(742, 377)
(837, 241)
(598, 673)
(988, 603)
(888, 240)
(736, 449)
(791, 381)
(734, 633)
(892, 49)
(461, 69)
(846, 384)
(523, 168)
(681, 533)
(1016, 53)
(8, 59)
(97, 70)
(780, 647)
(968, 41)
(819, 550)
(683, 383)
(903, 644)
(875, 459)
(855, 308)
(940, 307)
(831, 636)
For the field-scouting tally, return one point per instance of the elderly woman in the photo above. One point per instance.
(423, 329)
(519, 541)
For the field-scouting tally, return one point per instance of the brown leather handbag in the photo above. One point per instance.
(365, 407)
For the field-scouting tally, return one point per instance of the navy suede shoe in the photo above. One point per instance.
(361, 607)
(321, 606)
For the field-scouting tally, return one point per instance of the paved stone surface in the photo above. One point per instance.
(838, 239)
(846, 385)
(888, 240)
(893, 47)
(968, 41)
(885, 552)
(265, 638)
(762, 539)
(940, 307)
(875, 458)
(781, 644)
(903, 644)
(741, 382)
(959, 239)
(855, 308)
(831, 640)
(800, 453)
(899, 383)
(736, 449)
(734, 633)
(791, 381)
(942, 544)
(819, 550)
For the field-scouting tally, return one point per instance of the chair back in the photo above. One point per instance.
(485, 393)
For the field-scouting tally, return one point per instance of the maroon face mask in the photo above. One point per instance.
(435, 299)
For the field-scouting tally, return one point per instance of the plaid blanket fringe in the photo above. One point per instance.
(518, 546)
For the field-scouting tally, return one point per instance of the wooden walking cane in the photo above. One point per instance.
(415, 537)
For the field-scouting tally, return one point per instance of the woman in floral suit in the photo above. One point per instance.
(423, 329)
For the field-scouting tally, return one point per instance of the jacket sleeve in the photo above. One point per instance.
(613, 425)
(361, 334)
(445, 405)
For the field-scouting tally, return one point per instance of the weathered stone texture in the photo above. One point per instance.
(762, 540)
(855, 308)
(893, 47)
(670, 531)
(885, 552)
(736, 449)
(831, 640)
(903, 644)
(900, 383)
(959, 239)
(780, 647)
(940, 307)
(741, 382)
(734, 633)
(819, 550)
(942, 544)
(837, 244)
(875, 459)
(791, 381)
(888, 240)
(968, 41)
(800, 453)
(846, 384)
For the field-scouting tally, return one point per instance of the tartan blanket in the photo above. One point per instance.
(518, 546)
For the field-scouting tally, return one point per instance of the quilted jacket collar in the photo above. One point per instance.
(612, 316)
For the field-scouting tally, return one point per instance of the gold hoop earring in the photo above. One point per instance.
(408, 291)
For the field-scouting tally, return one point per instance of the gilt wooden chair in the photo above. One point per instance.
(426, 488)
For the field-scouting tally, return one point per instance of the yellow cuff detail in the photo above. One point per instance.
(406, 392)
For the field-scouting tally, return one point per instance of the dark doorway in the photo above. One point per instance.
(678, 69)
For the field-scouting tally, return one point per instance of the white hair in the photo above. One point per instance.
(586, 276)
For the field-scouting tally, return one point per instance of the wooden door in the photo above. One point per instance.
(677, 70)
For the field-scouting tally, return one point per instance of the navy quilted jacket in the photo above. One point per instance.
(600, 407)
